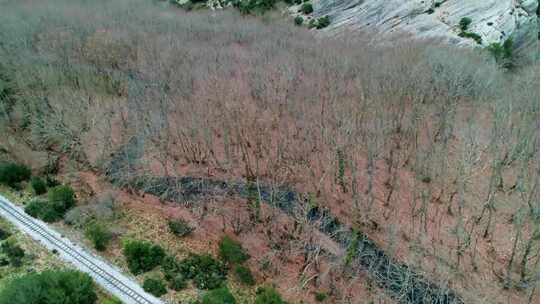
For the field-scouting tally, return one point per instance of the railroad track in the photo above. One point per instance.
(111, 279)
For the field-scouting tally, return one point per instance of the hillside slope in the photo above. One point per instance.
(493, 20)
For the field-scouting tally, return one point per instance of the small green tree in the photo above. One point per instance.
(464, 23)
(14, 253)
(155, 286)
(306, 8)
(268, 295)
(4, 234)
(205, 271)
(219, 296)
(320, 296)
(244, 275)
(502, 52)
(99, 235)
(323, 22)
(11, 174)
(67, 287)
(38, 185)
(231, 251)
(508, 48)
(62, 197)
(298, 20)
(177, 282)
(44, 210)
(142, 256)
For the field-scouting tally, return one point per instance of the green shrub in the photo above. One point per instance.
(180, 227)
(177, 282)
(12, 174)
(209, 273)
(111, 301)
(38, 185)
(69, 287)
(323, 22)
(142, 256)
(464, 23)
(4, 234)
(298, 20)
(503, 53)
(170, 267)
(43, 210)
(14, 253)
(254, 6)
(496, 50)
(155, 287)
(508, 48)
(205, 271)
(268, 295)
(219, 296)
(62, 197)
(244, 275)
(231, 251)
(320, 296)
(51, 181)
(473, 36)
(99, 235)
(426, 179)
(306, 8)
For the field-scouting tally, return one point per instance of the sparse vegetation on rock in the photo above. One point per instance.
(464, 25)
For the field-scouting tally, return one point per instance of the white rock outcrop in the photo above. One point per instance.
(493, 20)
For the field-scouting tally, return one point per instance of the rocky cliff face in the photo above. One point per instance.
(493, 20)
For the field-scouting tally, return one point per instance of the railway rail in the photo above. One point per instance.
(104, 274)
